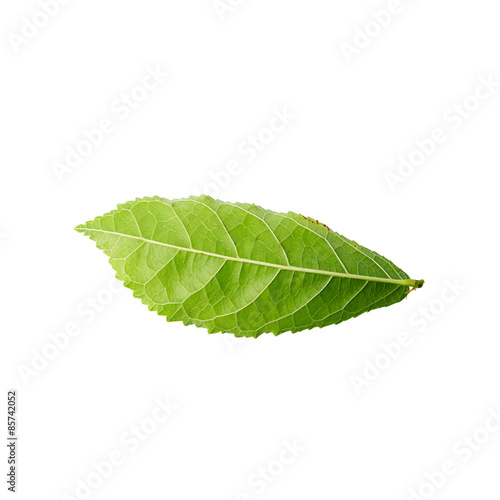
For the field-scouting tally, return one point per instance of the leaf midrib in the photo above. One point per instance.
(400, 282)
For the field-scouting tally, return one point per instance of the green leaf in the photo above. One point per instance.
(238, 268)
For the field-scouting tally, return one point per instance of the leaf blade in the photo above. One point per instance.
(242, 269)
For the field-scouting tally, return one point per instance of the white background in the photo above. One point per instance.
(238, 401)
